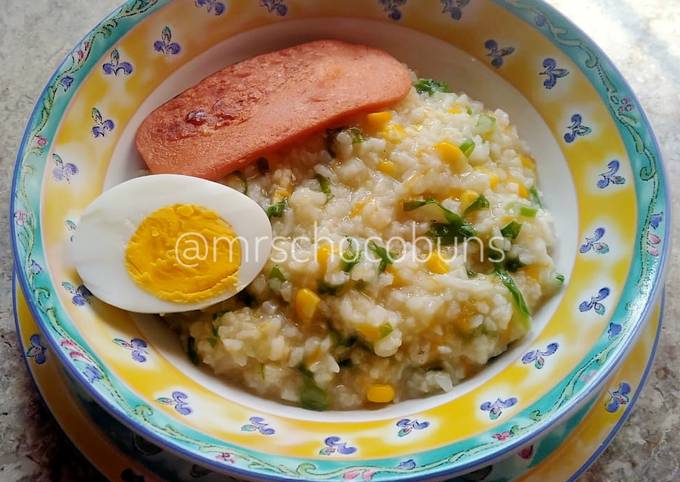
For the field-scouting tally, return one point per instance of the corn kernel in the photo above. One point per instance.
(437, 264)
(281, 194)
(376, 121)
(522, 190)
(493, 181)
(387, 167)
(306, 303)
(456, 109)
(323, 254)
(467, 198)
(533, 271)
(527, 162)
(358, 207)
(394, 133)
(452, 155)
(397, 278)
(507, 219)
(455, 193)
(369, 332)
(380, 393)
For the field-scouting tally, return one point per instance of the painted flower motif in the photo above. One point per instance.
(34, 268)
(258, 424)
(614, 330)
(552, 72)
(165, 45)
(178, 402)
(355, 474)
(406, 426)
(137, 346)
(129, 475)
(507, 434)
(101, 126)
(336, 445)
(537, 356)
(21, 217)
(40, 142)
(540, 19)
(611, 176)
(277, 7)
(526, 453)
(496, 53)
(92, 373)
(70, 228)
(66, 82)
(408, 464)
(63, 171)
(213, 6)
(454, 8)
(654, 240)
(625, 106)
(587, 376)
(594, 302)
(618, 397)
(114, 66)
(37, 350)
(576, 129)
(594, 244)
(81, 294)
(226, 457)
(495, 409)
(392, 8)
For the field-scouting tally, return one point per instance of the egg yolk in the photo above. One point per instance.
(184, 253)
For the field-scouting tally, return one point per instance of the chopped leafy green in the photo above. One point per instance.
(560, 278)
(456, 227)
(411, 205)
(467, 147)
(312, 397)
(480, 203)
(356, 134)
(325, 288)
(535, 196)
(262, 165)
(276, 210)
(382, 253)
(325, 185)
(450, 216)
(511, 230)
(468, 109)
(191, 350)
(513, 264)
(485, 124)
(350, 257)
(329, 139)
(276, 273)
(385, 329)
(430, 86)
(527, 211)
(521, 308)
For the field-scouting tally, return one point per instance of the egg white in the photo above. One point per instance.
(108, 223)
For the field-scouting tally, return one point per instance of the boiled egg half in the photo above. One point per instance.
(169, 243)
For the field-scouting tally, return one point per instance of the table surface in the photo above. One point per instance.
(639, 35)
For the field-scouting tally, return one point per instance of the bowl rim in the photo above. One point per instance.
(517, 8)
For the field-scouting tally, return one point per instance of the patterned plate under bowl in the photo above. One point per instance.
(120, 454)
(599, 170)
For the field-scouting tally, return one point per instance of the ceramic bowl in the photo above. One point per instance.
(599, 170)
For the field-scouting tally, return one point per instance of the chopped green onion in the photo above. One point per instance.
(485, 124)
(385, 329)
(467, 147)
(468, 109)
(480, 203)
(276, 210)
(513, 264)
(276, 273)
(527, 211)
(312, 397)
(457, 228)
(356, 134)
(535, 196)
(430, 86)
(350, 258)
(382, 253)
(191, 350)
(521, 308)
(511, 230)
(325, 185)
(560, 278)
